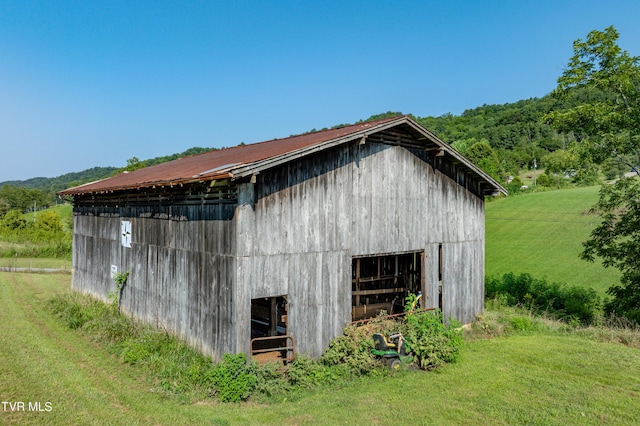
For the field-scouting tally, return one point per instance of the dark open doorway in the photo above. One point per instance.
(269, 338)
(269, 316)
(383, 282)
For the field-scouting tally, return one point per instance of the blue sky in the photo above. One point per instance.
(94, 83)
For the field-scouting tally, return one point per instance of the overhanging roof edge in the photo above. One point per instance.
(455, 154)
(267, 163)
(258, 166)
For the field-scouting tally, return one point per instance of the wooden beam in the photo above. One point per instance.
(379, 291)
(273, 318)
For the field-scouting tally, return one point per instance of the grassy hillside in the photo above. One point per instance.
(531, 378)
(542, 234)
(64, 210)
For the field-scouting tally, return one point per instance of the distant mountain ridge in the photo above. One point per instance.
(68, 180)
(63, 181)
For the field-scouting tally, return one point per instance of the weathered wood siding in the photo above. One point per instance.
(181, 267)
(301, 224)
(195, 265)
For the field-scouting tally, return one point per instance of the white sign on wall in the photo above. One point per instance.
(125, 233)
(114, 271)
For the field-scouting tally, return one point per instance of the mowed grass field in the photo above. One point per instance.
(542, 234)
(532, 378)
(535, 377)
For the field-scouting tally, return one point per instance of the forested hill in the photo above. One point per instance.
(61, 182)
(514, 131)
(96, 173)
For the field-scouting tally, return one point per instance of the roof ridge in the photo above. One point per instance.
(241, 160)
(338, 127)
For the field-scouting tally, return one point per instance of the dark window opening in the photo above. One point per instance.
(269, 316)
(381, 283)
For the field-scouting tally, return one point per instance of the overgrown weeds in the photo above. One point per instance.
(45, 238)
(571, 304)
(178, 369)
(44, 249)
(170, 362)
(613, 329)
(353, 348)
(431, 340)
(499, 320)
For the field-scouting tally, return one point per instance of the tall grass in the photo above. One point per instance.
(60, 249)
(177, 367)
(500, 320)
(180, 369)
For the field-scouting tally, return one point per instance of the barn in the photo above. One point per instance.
(293, 237)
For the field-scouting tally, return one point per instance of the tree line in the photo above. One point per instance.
(501, 139)
(587, 127)
(23, 199)
(607, 131)
(49, 186)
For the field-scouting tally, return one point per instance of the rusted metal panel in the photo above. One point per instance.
(250, 159)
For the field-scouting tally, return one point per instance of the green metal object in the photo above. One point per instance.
(387, 348)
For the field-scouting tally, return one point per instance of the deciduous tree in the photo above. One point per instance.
(608, 127)
(485, 157)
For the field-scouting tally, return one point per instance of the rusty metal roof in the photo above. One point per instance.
(242, 160)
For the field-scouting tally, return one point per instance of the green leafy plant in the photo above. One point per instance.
(116, 296)
(569, 303)
(353, 348)
(181, 370)
(433, 342)
(233, 379)
(609, 130)
(270, 379)
(521, 323)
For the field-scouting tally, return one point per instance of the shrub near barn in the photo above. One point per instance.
(44, 237)
(568, 303)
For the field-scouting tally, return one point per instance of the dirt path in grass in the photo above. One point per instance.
(53, 375)
(35, 270)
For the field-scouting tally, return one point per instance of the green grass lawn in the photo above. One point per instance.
(536, 378)
(542, 234)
